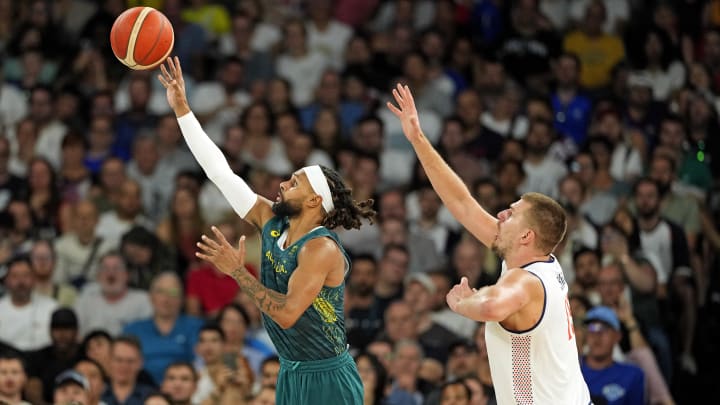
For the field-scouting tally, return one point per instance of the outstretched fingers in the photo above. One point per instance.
(394, 109)
(171, 66)
(407, 96)
(206, 241)
(178, 67)
(162, 81)
(203, 256)
(399, 96)
(220, 238)
(396, 92)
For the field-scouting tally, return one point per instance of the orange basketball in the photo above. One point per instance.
(142, 38)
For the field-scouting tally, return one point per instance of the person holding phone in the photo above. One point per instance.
(224, 376)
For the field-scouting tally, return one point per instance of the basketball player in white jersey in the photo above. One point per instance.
(529, 332)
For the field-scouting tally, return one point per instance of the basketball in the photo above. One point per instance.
(142, 38)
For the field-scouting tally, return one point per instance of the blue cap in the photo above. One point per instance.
(71, 377)
(603, 314)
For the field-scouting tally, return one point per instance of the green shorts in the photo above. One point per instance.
(319, 382)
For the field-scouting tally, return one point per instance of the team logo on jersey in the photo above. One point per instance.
(561, 280)
(274, 233)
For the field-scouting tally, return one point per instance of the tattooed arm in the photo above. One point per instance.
(316, 260)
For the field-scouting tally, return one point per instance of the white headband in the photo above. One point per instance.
(319, 184)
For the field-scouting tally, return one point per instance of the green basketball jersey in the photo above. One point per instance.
(319, 333)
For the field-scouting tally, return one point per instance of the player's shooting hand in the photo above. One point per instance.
(220, 253)
(172, 79)
(458, 293)
(406, 112)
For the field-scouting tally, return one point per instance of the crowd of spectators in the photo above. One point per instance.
(608, 106)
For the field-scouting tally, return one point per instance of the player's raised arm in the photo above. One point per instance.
(451, 189)
(251, 207)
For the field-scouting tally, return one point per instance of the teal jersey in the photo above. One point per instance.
(319, 333)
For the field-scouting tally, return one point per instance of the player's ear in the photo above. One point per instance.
(528, 236)
(314, 201)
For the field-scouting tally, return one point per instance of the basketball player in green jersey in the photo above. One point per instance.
(301, 287)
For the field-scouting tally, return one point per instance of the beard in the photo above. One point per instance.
(285, 209)
(497, 249)
(664, 188)
(648, 213)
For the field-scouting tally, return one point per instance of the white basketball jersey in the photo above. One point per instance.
(540, 365)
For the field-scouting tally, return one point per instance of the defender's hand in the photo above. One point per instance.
(407, 113)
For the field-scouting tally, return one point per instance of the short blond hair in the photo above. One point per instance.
(547, 219)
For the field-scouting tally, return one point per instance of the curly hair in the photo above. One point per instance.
(348, 213)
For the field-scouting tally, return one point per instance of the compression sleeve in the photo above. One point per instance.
(216, 167)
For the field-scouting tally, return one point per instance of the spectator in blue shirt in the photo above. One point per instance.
(619, 384)
(571, 108)
(168, 336)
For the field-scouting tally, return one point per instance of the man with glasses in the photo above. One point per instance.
(167, 336)
(617, 383)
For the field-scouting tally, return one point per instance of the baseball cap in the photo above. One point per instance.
(603, 314)
(64, 318)
(71, 377)
(423, 279)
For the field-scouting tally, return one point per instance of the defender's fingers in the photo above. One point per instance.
(407, 96)
(394, 109)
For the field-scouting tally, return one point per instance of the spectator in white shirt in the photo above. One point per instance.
(24, 316)
(542, 170)
(219, 102)
(325, 34)
(50, 130)
(110, 304)
(299, 65)
(79, 250)
(156, 183)
(127, 213)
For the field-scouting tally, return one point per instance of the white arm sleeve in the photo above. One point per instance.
(213, 162)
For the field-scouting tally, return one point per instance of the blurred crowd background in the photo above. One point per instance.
(609, 106)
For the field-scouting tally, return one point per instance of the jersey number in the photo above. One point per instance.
(570, 326)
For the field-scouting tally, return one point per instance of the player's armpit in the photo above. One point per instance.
(260, 213)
